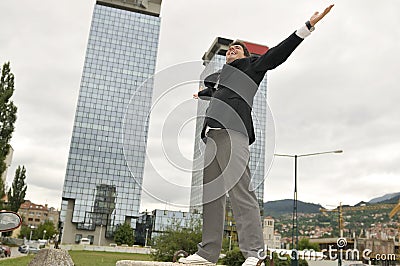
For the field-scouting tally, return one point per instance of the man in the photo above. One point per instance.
(227, 131)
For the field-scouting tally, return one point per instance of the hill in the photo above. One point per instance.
(278, 207)
(387, 198)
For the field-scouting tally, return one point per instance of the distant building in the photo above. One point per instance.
(150, 225)
(230, 231)
(377, 246)
(36, 214)
(104, 175)
(271, 239)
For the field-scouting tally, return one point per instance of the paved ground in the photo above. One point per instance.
(14, 253)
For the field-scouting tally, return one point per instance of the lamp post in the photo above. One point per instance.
(44, 234)
(30, 236)
(230, 235)
(295, 229)
(147, 232)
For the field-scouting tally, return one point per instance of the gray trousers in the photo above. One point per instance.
(226, 171)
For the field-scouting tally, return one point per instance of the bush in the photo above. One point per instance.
(176, 238)
(124, 235)
(287, 262)
(233, 257)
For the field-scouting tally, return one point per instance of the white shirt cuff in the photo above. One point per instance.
(303, 32)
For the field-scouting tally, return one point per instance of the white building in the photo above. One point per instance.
(271, 239)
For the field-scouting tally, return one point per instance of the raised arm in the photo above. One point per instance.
(280, 53)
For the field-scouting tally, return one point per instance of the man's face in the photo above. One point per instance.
(234, 52)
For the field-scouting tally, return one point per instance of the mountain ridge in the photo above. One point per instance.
(277, 208)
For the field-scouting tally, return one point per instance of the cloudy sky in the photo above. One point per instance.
(339, 90)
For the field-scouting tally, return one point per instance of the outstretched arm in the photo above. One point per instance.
(278, 54)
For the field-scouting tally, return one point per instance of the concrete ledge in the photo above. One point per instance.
(137, 250)
(144, 263)
(51, 257)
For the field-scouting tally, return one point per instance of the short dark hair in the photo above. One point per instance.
(246, 51)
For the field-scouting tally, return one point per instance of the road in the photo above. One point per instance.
(14, 253)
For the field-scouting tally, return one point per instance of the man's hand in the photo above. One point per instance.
(317, 16)
(196, 96)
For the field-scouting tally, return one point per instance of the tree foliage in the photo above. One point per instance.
(25, 231)
(2, 194)
(124, 235)
(176, 238)
(233, 257)
(8, 114)
(225, 245)
(304, 243)
(38, 233)
(16, 194)
(47, 226)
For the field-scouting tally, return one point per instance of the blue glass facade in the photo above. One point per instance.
(101, 187)
(154, 224)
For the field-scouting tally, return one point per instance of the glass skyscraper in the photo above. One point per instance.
(102, 187)
(213, 60)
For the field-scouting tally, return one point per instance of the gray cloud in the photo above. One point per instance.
(337, 91)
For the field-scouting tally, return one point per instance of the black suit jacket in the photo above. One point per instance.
(231, 103)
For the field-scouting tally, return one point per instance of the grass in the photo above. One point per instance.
(20, 261)
(98, 258)
(84, 258)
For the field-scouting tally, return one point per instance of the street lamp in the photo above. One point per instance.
(44, 233)
(230, 235)
(30, 236)
(147, 232)
(100, 235)
(295, 229)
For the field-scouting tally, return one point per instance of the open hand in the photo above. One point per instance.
(318, 16)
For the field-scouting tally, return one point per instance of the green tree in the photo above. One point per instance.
(24, 232)
(304, 243)
(8, 116)
(233, 257)
(47, 226)
(2, 194)
(16, 194)
(176, 238)
(124, 235)
(225, 244)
